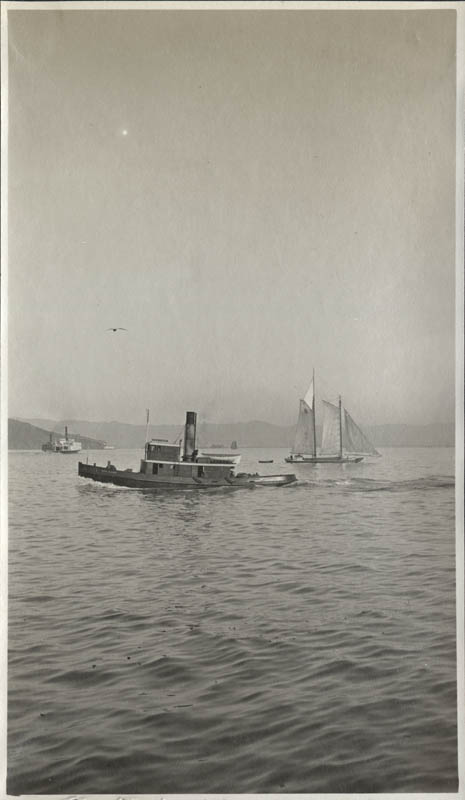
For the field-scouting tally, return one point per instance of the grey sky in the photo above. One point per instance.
(251, 193)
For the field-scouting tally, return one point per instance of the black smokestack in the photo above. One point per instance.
(189, 435)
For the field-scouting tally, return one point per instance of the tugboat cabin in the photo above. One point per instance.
(168, 461)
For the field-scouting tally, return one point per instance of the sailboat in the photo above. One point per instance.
(342, 439)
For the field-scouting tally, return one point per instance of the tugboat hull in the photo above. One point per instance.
(140, 480)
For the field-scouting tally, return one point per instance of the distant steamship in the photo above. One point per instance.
(64, 446)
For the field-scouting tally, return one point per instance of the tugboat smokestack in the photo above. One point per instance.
(189, 435)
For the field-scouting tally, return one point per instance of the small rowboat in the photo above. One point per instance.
(272, 480)
(265, 461)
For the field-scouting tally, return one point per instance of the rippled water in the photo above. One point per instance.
(297, 639)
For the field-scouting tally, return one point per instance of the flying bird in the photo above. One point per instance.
(116, 329)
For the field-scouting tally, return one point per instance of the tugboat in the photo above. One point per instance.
(50, 446)
(166, 464)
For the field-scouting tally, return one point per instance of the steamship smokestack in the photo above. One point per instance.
(189, 435)
(66, 432)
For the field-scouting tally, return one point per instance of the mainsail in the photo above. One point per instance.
(354, 440)
(330, 441)
(304, 434)
(339, 428)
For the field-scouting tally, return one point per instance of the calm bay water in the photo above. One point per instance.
(297, 639)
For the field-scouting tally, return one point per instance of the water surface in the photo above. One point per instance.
(296, 639)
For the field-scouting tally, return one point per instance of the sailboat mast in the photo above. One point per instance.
(340, 426)
(314, 416)
(147, 413)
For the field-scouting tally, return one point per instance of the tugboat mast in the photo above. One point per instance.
(340, 426)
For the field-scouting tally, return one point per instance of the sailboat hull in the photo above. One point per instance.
(323, 459)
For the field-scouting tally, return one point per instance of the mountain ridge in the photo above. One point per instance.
(25, 436)
(255, 433)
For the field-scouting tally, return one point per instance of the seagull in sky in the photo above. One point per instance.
(116, 329)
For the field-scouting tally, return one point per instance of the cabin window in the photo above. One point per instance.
(155, 469)
(200, 472)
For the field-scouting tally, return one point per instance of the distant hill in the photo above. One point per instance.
(120, 434)
(247, 434)
(24, 436)
(438, 435)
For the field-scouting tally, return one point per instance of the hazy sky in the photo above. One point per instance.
(251, 193)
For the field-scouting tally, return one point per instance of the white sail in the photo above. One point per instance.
(304, 434)
(330, 442)
(308, 399)
(354, 440)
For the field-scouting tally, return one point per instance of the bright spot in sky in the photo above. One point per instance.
(124, 132)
